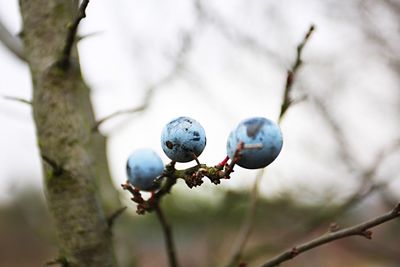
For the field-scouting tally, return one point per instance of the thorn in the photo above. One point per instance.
(396, 209)
(111, 219)
(367, 234)
(57, 169)
(333, 227)
(294, 252)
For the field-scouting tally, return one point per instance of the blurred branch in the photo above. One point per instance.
(62, 261)
(71, 34)
(11, 42)
(366, 188)
(178, 66)
(361, 229)
(169, 242)
(287, 99)
(18, 99)
(111, 219)
(232, 34)
(287, 102)
(142, 107)
(338, 134)
(248, 223)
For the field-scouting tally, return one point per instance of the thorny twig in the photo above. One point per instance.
(361, 229)
(365, 189)
(287, 99)
(287, 102)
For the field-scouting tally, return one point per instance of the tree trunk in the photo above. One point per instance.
(64, 120)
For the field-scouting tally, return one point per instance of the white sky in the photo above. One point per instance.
(223, 83)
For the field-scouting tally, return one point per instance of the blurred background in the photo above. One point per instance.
(220, 62)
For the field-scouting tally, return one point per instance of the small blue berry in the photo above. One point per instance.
(143, 167)
(183, 137)
(255, 132)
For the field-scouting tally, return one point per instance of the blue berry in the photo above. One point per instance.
(143, 167)
(254, 132)
(182, 138)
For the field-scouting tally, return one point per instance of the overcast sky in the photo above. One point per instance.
(132, 45)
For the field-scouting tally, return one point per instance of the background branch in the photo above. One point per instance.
(287, 99)
(360, 230)
(169, 242)
(11, 42)
(366, 188)
(18, 99)
(248, 223)
(176, 70)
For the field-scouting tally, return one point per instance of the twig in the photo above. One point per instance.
(361, 229)
(57, 168)
(233, 34)
(18, 99)
(140, 108)
(111, 219)
(12, 42)
(71, 34)
(178, 66)
(248, 223)
(366, 188)
(169, 242)
(287, 99)
(339, 136)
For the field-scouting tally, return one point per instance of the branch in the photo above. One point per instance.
(111, 219)
(18, 99)
(57, 169)
(287, 100)
(232, 34)
(169, 242)
(365, 189)
(71, 34)
(361, 229)
(177, 67)
(140, 108)
(338, 134)
(248, 223)
(11, 42)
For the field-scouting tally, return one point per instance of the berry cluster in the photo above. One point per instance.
(254, 143)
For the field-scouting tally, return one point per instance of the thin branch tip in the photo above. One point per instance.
(72, 34)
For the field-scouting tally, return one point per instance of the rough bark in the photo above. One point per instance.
(64, 120)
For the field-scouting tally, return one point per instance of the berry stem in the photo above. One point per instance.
(223, 163)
